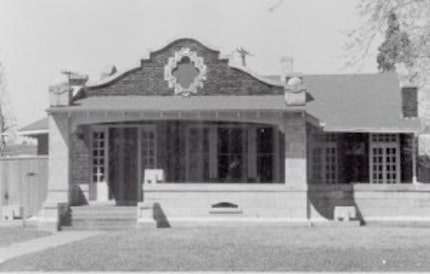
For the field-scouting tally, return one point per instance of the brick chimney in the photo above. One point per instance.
(287, 68)
(61, 94)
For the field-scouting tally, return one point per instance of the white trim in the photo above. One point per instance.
(172, 63)
(414, 159)
(33, 132)
(93, 184)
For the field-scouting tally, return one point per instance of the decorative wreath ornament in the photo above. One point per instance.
(172, 63)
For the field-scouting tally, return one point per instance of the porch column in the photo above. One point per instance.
(56, 204)
(295, 150)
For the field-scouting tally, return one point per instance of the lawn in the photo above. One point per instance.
(10, 235)
(240, 249)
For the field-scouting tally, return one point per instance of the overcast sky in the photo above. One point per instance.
(40, 38)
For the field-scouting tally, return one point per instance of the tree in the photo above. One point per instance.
(7, 119)
(396, 48)
(411, 16)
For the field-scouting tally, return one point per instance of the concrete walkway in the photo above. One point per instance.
(39, 244)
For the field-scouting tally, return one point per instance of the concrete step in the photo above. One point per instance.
(103, 214)
(88, 210)
(103, 208)
(101, 224)
(102, 218)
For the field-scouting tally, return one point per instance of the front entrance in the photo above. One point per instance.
(123, 165)
(117, 153)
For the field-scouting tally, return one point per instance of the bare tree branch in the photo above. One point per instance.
(275, 6)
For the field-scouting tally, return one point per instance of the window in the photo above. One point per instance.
(384, 158)
(324, 167)
(99, 155)
(148, 148)
(231, 155)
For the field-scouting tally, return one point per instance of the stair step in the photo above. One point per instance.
(116, 214)
(103, 218)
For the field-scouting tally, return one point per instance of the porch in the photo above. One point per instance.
(185, 151)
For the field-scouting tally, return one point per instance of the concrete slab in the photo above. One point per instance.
(23, 248)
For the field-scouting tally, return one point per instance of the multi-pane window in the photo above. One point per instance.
(384, 158)
(99, 153)
(330, 164)
(148, 148)
(324, 167)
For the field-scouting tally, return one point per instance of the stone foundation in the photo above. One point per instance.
(223, 202)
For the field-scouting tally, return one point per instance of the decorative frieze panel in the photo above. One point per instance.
(185, 72)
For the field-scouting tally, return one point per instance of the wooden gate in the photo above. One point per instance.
(24, 182)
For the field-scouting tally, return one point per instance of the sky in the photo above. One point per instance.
(41, 38)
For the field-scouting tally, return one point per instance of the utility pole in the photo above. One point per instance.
(243, 53)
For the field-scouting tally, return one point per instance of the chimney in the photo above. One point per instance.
(294, 88)
(62, 94)
(78, 79)
(409, 102)
(287, 68)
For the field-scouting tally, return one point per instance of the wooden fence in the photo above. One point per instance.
(24, 182)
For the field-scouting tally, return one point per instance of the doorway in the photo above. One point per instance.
(131, 150)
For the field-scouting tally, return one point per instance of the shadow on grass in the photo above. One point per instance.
(324, 201)
(160, 218)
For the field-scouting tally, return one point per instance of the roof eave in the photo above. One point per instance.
(101, 110)
(372, 130)
(33, 132)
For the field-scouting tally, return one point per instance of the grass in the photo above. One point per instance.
(10, 235)
(240, 249)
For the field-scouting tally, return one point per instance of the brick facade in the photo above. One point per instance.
(81, 164)
(149, 78)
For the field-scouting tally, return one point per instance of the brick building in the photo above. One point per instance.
(231, 145)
